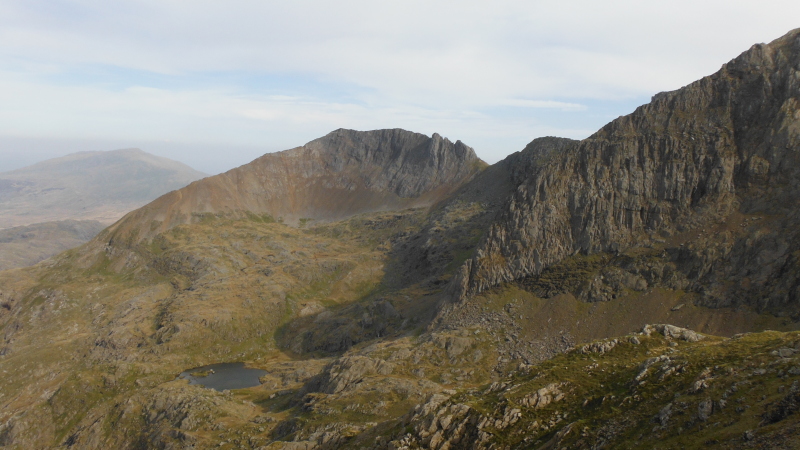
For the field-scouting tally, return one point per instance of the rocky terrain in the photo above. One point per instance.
(708, 173)
(663, 387)
(637, 289)
(27, 245)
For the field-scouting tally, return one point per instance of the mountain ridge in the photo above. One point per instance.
(336, 176)
(687, 158)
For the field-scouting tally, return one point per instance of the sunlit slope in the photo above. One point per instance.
(344, 173)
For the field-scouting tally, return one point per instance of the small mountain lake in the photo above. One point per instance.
(224, 376)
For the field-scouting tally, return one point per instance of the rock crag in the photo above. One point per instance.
(722, 148)
(342, 174)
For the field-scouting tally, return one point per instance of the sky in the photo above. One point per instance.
(216, 84)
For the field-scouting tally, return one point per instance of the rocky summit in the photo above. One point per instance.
(339, 175)
(636, 289)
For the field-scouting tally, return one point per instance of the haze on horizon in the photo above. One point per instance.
(214, 85)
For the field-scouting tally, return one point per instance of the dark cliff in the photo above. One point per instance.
(723, 149)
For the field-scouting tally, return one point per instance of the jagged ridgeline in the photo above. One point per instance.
(710, 172)
(337, 176)
(399, 293)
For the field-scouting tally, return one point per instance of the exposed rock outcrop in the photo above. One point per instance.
(728, 143)
(671, 331)
(347, 372)
(441, 424)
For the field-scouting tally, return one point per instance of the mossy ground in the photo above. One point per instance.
(603, 401)
(114, 328)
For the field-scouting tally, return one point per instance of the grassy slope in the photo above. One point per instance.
(83, 331)
(104, 335)
(25, 246)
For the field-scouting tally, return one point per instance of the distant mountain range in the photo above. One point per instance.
(60, 203)
(100, 186)
(636, 289)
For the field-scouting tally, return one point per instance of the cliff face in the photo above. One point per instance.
(339, 175)
(694, 159)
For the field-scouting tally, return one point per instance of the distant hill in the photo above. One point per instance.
(27, 245)
(100, 186)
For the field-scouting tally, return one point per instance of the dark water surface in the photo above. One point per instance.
(224, 376)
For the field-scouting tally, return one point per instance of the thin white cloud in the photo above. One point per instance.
(544, 104)
(425, 65)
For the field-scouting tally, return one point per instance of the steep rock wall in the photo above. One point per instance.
(728, 142)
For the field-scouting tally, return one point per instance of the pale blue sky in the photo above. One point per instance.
(216, 84)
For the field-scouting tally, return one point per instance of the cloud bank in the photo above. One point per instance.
(271, 75)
